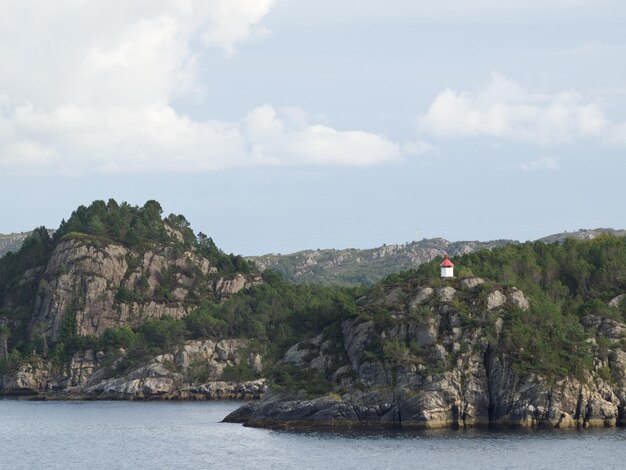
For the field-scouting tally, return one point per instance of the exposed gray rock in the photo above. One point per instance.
(470, 282)
(495, 299)
(609, 329)
(94, 375)
(446, 294)
(615, 302)
(87, 279)
(297, 355)
(356, 335)
(421, 297)
(517, 298)
(449, 375)
(192, 351)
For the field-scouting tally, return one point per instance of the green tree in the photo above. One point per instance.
(5, 334)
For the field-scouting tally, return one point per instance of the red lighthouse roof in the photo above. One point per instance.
(447, 263)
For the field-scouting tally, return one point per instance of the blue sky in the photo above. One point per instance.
(279, 125)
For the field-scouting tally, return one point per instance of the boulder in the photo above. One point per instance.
(421, 297)
(495, 299)
(615, 302)
(517, 298)
(446, 294)
(469, 283)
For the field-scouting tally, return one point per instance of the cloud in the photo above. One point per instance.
(232, 22)
(90, 86)
(542, 164)
(505, 109)
(156, 138)
(277, 137)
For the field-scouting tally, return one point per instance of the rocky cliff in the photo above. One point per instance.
(98, 309)
(102, 284)
(450, 356)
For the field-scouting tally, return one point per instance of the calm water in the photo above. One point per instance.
(94, 435)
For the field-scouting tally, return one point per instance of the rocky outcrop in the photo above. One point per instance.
(436, 366)
(104, 285)
(28, 379)
(192, 371)
(616, 301)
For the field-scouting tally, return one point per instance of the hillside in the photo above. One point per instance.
(123, 303)
(11, 242)
(365, 267)
(583, 235)
(539, 344)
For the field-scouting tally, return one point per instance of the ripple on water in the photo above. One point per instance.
(98, 435)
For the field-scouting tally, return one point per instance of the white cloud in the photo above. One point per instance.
(503, 108)
(88, 86)
(542, 164)
(287, 137)
(232, 22)
(156, 138)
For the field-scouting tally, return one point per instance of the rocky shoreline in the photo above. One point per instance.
(96, 375)
(236, 391)
(440, 367)
(281, 412)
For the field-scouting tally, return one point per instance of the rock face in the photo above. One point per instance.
(108, 285)
(438, 368)
(192, 371)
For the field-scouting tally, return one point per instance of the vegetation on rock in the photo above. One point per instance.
(543, 312)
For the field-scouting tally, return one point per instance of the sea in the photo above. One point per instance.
(190, 435)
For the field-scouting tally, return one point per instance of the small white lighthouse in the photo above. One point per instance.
(447, 268)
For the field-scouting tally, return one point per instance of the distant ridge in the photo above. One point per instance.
(366, 266)
(11, 242)
(583, 234)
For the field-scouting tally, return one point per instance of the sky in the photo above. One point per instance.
(282, 125)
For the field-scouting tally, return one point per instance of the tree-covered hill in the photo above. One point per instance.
(109, 265)
(530, 335)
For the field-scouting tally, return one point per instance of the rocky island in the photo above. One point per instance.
(122, 303)
(446, 359)
(70, 303)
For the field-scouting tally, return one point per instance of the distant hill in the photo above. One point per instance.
(583, 235)
(11, 242)
(354, 266)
